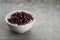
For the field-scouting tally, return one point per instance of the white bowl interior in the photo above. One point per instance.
(9, 15)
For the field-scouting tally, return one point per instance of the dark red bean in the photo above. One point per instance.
(20, 18)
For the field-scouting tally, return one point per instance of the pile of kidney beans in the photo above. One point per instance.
(20, 18)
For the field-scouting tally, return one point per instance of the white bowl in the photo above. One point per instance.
(20, 28)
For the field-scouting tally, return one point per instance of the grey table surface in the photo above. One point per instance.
(46, 26)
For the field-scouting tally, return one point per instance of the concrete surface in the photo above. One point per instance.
(47, 24)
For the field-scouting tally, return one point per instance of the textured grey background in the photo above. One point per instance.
(47, 24)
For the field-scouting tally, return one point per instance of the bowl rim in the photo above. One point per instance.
(18, 11)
